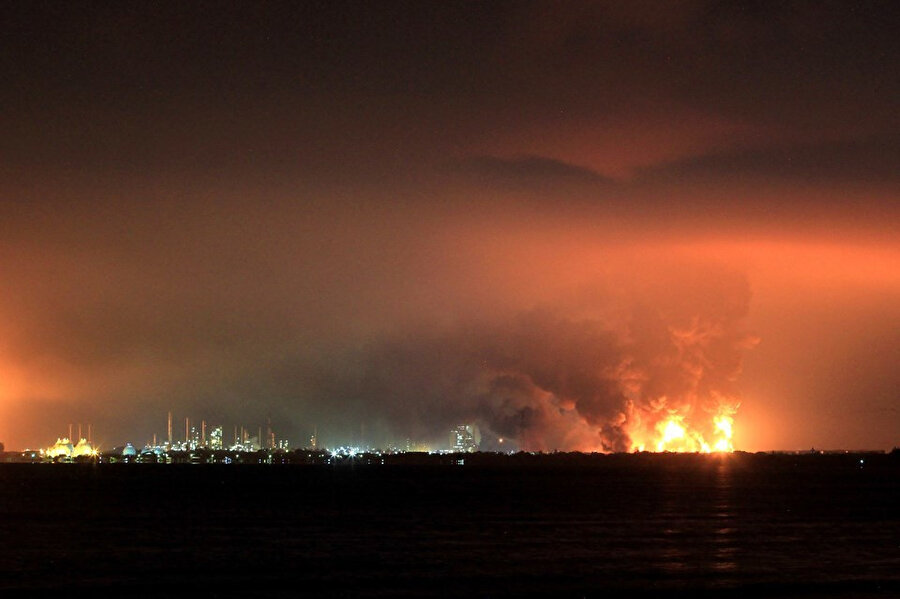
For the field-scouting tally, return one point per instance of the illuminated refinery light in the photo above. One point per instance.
(349, 452)
(64, 449)
(465, 438)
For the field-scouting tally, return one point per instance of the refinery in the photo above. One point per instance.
(205, 444)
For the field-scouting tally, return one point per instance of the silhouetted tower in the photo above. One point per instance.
(187, 429)
(203, 432)
(170, 427)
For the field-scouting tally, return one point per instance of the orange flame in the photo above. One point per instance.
(673, 433)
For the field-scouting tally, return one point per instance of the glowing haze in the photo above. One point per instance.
(579, 226)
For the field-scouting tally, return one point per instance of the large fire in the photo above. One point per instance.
(673, 433)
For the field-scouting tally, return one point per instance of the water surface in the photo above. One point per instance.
(763, 526)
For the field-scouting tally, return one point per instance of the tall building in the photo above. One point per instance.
(215, 438)
(464, 438)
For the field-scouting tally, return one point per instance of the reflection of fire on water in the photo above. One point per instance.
(675, 434)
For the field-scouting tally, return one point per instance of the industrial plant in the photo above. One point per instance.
(205, 443)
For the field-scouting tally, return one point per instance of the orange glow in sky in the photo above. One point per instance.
(577, 225)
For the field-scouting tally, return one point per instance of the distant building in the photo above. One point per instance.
(215, 439)
(63, 448)
(83, 448)
(464, 438)
(194, 440)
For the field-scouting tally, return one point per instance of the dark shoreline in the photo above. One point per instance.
(841, 459)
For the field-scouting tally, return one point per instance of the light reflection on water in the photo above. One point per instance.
(724, 537)
(701, 524)
(697, 528)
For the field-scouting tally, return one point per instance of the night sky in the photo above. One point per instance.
(559, 221)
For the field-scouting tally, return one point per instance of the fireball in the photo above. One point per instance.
(724, 425)
(674, 433)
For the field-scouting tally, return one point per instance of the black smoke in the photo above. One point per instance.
(575, 375)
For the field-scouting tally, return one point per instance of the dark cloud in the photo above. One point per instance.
(796, 64)
(274, 89)
(848, 162)
(528, 172)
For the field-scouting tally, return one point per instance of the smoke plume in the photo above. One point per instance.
(596, 373)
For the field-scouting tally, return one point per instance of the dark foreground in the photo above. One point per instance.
(639, 526)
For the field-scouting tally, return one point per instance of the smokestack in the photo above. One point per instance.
(70, 432)
(170, 427)
(187, 429)
(203, 432)
(269, 435)
(154, 439)
(79, 431)
(235, 435)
